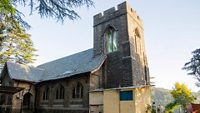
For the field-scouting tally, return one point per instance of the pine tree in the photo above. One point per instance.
(58, 9)
(193, 66)
(15, 43)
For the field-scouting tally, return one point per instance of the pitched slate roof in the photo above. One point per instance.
(71, 65)
(61, 68)
(24, 72)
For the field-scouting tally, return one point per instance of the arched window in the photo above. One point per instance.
(111, 40)
(137, 41)
(78, 91)
(60, 92)
(46, 93)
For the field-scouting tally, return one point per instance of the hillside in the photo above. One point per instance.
(162, 96)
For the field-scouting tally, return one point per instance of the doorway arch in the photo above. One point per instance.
(28, 101)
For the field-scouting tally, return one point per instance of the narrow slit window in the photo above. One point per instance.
(138, 45)
(78, 91)
(60, 92)
(46, 94)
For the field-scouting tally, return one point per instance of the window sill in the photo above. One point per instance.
(77, 99)
(59, 100)
(45, 100)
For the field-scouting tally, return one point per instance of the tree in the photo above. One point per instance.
(171, 107)
(6, 7)
(193, 66)
(182, 97)
(15, 43)
(151, 108)
(10, 15)
(58, 9)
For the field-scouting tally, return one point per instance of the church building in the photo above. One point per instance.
(112, 77)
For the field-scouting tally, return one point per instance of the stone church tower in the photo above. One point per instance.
(118, 33)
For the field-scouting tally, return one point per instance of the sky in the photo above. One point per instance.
(171, 30)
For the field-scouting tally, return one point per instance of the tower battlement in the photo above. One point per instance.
(114, 12)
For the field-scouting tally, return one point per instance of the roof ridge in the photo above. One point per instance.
(20, 64)
(16, 69)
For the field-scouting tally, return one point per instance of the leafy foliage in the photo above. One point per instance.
(15, 43)
(193, 66)
(58, 9)
(150, 109)
(182, 96)
(6, 7)
(8, 13)
(169, 108)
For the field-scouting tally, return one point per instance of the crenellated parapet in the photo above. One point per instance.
(114, 12)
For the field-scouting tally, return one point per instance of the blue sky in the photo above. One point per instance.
(171, 33)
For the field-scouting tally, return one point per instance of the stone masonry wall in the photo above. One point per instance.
(68, 104)
(17, 100)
